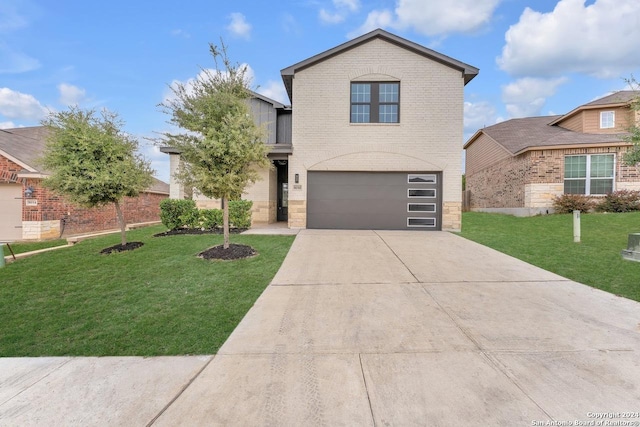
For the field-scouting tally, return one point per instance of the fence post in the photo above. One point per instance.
(576, 226)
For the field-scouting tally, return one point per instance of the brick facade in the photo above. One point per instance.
(531, 180)
(42, 213)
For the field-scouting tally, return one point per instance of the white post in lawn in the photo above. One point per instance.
(576, 226)
(1, 255)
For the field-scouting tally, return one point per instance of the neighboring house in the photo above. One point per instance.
(521, 165)
(372, 140)
(30, 211)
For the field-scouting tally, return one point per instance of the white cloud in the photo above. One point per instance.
(10, 18)
(331, 18)
(599, 39)
(239, 25)
(16, 105)
(70, 94)
(7, 125)
(343, 9)
(433, 18)
(376, 19)
(180, 33)
(478, 115)
(169, 95)
(525, 97)
(444, 17)
(275, 90)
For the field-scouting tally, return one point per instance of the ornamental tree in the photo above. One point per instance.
(220, 145)
(632, 157)
(92, 161)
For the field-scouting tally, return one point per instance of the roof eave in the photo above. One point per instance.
(468, 71)
(568, 146)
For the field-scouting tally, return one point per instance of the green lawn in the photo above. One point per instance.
(159, 299)
(21, 247)
(547, 241)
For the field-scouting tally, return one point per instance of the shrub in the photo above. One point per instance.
(171, 210)
(240, 213)
(211, 218)
(620, 201)
(191, 219)
(568, 203)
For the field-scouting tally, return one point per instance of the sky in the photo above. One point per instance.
(536, 57)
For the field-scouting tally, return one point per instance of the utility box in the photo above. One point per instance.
(632, 253)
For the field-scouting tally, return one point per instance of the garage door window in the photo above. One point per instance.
(421, 193)
(421, 207)
(421, 222)
(421, 179)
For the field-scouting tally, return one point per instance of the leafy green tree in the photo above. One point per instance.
(221, 146)
(92, 161)
(632, 157)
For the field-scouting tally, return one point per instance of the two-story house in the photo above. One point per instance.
(519, 166)
(372, 139)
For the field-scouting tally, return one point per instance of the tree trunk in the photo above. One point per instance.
(123, 226)
(225, 221)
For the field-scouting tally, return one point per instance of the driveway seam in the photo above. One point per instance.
(366, 389)
(487, 355)
(177, 396)
(70, 359)
(396, 255)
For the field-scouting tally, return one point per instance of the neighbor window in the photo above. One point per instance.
(607, 119)
(589, 174)
(375, 102)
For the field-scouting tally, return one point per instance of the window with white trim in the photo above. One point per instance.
(607, 119)
(589, 174)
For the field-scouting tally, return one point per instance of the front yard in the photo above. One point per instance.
(547, 242)
(159, 299)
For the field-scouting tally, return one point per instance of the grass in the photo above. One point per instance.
(159, 299)
(547, 242)
(21, 247)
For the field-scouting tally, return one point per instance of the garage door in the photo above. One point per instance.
(10, 212)
(374, 200)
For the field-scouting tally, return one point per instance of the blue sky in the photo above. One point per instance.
(536, 57)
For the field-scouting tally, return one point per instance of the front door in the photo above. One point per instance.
(283, 190)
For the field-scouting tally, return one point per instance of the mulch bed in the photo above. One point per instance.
(182, 231)
(119, 248)
(233, 252)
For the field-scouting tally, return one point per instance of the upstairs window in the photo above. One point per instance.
(607, 119)
(375, 102)
(589, 174)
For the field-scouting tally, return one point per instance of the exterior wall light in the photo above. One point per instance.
(297, 178)
(28, 192)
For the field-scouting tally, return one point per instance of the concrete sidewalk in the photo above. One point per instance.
(370, 328)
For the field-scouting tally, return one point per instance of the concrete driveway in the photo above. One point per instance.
(364, 328)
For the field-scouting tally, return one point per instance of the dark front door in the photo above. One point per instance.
(283, 190)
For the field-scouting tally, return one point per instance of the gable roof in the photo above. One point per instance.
(617, 99)
(519, 135)
(468, 71)
(24, 146)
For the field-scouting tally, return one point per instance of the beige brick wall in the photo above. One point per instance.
(428, 137)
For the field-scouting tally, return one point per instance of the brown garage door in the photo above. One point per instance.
(374, 200)
(10, 212)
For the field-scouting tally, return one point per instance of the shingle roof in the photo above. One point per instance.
(621, 97)
(516, 135)
(26, 145)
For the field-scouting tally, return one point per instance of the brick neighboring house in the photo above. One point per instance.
(29, 211)
(521, 165)
(372, 139)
